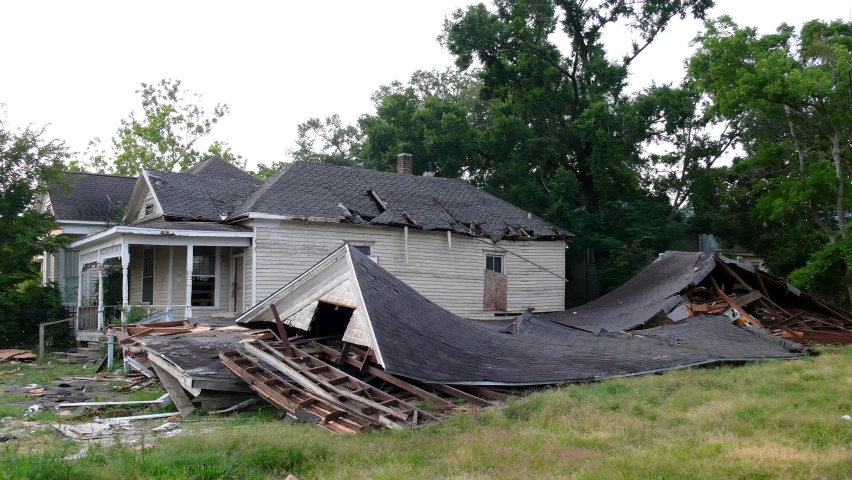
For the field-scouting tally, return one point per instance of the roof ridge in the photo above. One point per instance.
(72, 172)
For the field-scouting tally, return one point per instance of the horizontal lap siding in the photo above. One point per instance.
(536, 279)
(450, 277)
(161, 279)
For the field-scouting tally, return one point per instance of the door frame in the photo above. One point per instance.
(231, 298)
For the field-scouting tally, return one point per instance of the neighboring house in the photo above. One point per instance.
(709, 242)
(86, 206)
(216, 239)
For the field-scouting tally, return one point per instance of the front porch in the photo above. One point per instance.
(186, 272)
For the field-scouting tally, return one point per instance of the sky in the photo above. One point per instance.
(75, 66)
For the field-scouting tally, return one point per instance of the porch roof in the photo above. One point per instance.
(108, 242)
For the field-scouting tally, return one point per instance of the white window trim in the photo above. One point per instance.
(495, 254)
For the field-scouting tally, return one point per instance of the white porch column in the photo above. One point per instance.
(79, 295)
(125, 288)
(188, 281)
(100, 293)
(171, 274)
(80, 286)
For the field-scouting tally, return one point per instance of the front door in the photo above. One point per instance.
(238, 284)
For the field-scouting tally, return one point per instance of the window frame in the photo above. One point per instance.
(145, 250)
(502, 258)
(216, 278)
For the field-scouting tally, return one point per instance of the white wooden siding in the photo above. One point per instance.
(138, 212)
(450, 277)
(161, 280)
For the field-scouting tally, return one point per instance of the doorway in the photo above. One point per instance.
(238, 289)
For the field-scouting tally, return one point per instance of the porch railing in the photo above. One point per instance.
(87, 316)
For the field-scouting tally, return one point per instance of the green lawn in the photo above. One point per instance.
(771, 420)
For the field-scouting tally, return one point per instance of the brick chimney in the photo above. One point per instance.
(404, 164)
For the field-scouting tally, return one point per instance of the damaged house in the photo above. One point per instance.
(349, 346)
(215, 239)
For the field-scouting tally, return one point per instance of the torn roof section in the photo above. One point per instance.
(369, 197)
(654, 291)
(416, 338)
(221, 192)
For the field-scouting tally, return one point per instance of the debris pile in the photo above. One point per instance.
(681, 285)
(15, 355)
(349, 347)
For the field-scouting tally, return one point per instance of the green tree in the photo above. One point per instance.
(28, 164)
(328, 141)
(166, 136)
(563, 138)
(434, 117)
(793, 93)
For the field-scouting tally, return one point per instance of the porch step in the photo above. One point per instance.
(80, 358)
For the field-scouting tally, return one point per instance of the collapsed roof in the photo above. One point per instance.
(413, 337)
(682, 284)
(221, 192)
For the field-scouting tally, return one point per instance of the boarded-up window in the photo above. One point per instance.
(495, 284)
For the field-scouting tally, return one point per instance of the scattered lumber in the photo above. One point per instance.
(15, 355)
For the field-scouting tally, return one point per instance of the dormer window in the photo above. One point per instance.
(149, 209)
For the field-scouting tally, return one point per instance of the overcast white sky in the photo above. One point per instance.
(77, 65)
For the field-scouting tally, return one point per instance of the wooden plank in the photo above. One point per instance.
(184, 379)
(176, 391)
(495, 296)
(342, 378)
(291, 373)
(484, 392)
(282, 332)
(460, 394)
(733, 304)
(334, 354)
(298, 402)
(748, 298)
(112, 404)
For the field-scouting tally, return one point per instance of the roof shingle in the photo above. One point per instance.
(91, 197)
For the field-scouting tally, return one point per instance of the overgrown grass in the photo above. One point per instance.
(770, 420)
(41, 373)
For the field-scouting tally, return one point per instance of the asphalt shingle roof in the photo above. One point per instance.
(421, 340)
(199, 196)
(346, 195)
(215, 167)
(369, 197)
(91, 197)
(653, 291)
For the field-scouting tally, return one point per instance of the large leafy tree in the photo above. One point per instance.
(165, 136)
(436, 117)
(564, 138)
(329, 141)
(28, 164)
(793, 94)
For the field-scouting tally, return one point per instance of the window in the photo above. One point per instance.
(148, 276)
(149, 209)
(494, 263)
(72, 270)
(203, 277)
(593, 260)
(365, 249)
